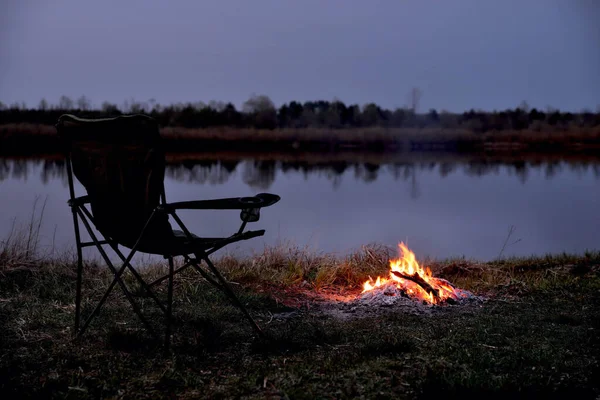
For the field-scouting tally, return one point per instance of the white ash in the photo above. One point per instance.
(390, 294)
(391, 299)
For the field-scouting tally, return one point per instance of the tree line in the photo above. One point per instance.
(261, 113)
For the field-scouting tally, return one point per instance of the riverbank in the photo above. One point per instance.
(28, 139)
(536, 334)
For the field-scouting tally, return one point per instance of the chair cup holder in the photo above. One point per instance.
(250, 214)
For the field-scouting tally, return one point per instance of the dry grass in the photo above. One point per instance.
(289, 265)
(8, 131)
(14, 135)
(301, 272)
(20, 246)
(358, 136)
(535, 337)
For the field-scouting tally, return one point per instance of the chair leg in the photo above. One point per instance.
(228, 291)
(134, 305)
(206, 276)
(163, 278)
(169, 305)
(136, 275)
(224, 286)
(117, 280)
(79, 273)
(78, 291)
(140, 280)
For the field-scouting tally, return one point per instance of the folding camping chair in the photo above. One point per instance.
(121, 164)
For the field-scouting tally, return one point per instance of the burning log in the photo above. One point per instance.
(407, 275)
(416, 278)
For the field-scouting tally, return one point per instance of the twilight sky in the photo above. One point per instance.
(462, 54)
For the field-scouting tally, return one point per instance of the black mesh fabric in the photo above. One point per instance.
(121, 164)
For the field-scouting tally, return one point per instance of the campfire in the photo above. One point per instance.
(408, 278)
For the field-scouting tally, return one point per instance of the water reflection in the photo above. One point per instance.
(465, 204)
(261, 174)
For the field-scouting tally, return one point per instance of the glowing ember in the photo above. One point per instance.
(408, 276)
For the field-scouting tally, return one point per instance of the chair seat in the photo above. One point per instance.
(175, 245)
(178, 244)
(196, 244)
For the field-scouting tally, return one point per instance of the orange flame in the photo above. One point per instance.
(421, 285)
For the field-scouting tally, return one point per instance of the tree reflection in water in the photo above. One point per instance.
(261, 174)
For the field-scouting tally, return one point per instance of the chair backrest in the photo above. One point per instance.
(121, 163)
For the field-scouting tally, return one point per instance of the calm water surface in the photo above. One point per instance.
(440, 210)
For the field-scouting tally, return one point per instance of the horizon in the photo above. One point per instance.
(462, 56)
(151, 106)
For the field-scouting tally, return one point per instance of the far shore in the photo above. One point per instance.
(23, 139)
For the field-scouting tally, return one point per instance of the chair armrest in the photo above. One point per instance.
(77, 201)
(232, 203)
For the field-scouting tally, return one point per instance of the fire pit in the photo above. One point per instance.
(408, 279)
(408, 289)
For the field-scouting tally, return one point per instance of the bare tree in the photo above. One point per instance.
(199, 105)
(108, 107)
(524, 106)
(83, 103)
(132, 106)
(217, 105)
(415, 98)
(257, 104)
(137, 107)
(65, 103)
(152, 104)
(43, 105)
(263, 109)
